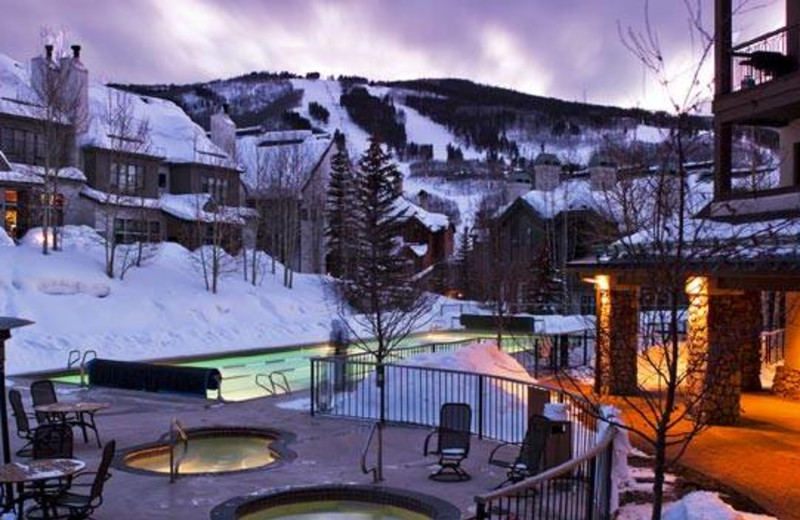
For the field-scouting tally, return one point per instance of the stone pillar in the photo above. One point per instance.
(787, 377)
(752, 323)
(617, 338)
(723, 325)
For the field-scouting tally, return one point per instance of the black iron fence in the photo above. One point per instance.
(577, 490)
(773, 346)
(765, 58)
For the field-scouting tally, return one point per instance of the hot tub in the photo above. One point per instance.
(213, 450)
(337, 502)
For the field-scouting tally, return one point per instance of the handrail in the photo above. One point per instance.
(268, 389)
(377, 471)
(83, 364)
(177, 434)
(72, 360)
(280, 385)
(762, 37)
(551, 473)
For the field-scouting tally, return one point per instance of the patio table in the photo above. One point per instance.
(82, 411)
(35, 472)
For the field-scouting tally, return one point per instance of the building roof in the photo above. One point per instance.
(547, 159)
(300, 153)
(170, 135)
(405, 210)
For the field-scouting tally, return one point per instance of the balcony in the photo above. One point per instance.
(765, 80)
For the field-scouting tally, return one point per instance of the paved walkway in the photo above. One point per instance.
(328, 451)
(759, 457)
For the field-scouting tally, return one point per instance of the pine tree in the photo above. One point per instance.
(380, 297)
(463, 267)
(340, 217)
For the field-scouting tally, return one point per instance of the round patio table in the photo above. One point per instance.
(84, 414)
(36, 472)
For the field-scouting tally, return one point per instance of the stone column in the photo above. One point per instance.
(752, 323)
(787, 377)
(617, 338)
(723, 325)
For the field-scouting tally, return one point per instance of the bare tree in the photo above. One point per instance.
(128, 136)
(58, 86)
(216, 234)
(281, 172)
(675, 384)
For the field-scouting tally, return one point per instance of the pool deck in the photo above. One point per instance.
(328, 451)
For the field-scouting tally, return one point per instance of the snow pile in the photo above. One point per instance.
(5, 240)
(620, 472)
(698, 505)
(410, 395)
(159, 310)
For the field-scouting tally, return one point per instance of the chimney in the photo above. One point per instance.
(223, 131)
(76, 51)
(48, 51)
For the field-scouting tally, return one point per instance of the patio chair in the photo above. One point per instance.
(43, 392)
(52, 441)
(22, 420)
(77, 506)
(452, 442)
(529, 460)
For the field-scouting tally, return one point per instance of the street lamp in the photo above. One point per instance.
(6, 325)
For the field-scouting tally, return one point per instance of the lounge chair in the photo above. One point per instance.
(452, 442)
(529, 460)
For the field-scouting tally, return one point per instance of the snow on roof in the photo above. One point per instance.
(16, 95)
(568, 196)
(420, 250)
(129, 201)
(300, 151)
(15, 175)
(406, 210)
(194, 207)
(171, 133)
(67, 173)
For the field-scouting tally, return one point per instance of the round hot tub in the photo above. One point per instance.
(337, 503)
(213, 450)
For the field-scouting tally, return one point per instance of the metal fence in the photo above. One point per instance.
(577, 490)
(773, 346)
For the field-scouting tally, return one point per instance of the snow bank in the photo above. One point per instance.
(5, 240)
(704, 505)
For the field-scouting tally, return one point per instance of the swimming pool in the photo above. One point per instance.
(239, 371)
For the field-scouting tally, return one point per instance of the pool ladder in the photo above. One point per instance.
(177, 435)
(274, 382)
(76, 357)
(376, 432)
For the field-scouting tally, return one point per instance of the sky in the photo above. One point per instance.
(570, 49)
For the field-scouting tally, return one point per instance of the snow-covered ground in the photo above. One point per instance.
(159, 310)
(698, 505)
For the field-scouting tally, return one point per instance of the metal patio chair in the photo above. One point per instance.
(530, 459)
(452, 442)
(23, 422)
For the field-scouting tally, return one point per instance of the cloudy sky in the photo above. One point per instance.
(563, 48)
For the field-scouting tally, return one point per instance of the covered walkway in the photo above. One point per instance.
(760, 457)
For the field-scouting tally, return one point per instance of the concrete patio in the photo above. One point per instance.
(328, 451)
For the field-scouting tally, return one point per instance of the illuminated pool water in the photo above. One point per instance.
(239, 371)
(335, 510)
(337, 502)
(211, 450)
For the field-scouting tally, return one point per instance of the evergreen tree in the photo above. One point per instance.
(340, 217)
(380, 299)
(463, 261)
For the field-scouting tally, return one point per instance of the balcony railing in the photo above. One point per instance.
(765, 58)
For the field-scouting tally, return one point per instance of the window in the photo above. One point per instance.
(129, 231)
(128, 178)
(23, 146)
(216, 187)
(163, 178)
